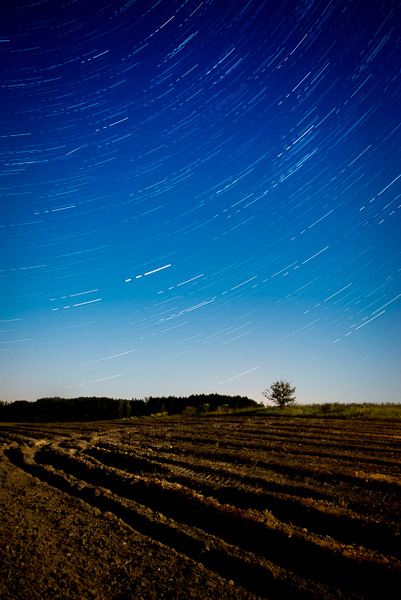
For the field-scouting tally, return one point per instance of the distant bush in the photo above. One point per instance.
(160, 414)
(189, 411)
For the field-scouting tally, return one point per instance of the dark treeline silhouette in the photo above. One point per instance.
(97, 409)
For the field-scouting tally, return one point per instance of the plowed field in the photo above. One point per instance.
(227, 507)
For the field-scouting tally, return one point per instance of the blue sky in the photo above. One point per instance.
(200, 197)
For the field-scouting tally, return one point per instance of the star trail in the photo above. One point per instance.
(200, 197)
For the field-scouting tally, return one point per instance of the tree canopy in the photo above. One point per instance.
(280, 393)
(95, 408)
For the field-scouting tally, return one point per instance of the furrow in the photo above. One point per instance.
(256, 574)
(288, 507)
(286, 545)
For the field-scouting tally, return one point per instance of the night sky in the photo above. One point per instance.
(200, 197)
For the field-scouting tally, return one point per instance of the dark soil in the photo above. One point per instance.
(224, 507)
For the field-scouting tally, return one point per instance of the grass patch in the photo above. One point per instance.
(336, 410)
(326, 410)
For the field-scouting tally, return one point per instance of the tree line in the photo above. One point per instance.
(97, 409)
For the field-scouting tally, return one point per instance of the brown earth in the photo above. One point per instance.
(229, 507)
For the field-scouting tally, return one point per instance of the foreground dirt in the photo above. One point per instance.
(227, 508)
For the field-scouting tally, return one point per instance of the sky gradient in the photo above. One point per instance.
(201, 197)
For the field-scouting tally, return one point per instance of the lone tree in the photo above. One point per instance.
(280, 393)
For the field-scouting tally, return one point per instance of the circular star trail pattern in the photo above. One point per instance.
(200, 197)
